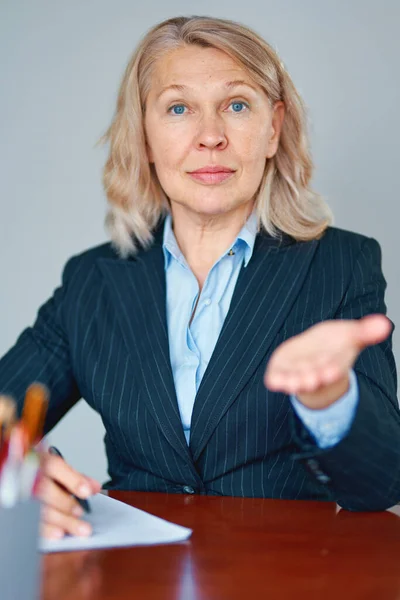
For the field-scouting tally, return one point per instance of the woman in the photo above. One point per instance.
(217, 334)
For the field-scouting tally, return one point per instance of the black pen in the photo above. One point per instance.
(81, 501)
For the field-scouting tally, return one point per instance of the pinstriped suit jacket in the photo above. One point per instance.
(103, 336)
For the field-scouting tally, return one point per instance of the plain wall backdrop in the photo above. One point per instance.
(61, 65)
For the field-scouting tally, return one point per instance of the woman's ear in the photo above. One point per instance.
(278, 116)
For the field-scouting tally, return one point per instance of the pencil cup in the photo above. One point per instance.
(19, 556)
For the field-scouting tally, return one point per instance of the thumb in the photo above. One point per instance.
(372, 329)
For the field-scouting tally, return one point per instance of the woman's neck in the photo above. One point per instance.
(203, 238)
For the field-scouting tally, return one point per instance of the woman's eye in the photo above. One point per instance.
(177, 109)
(238, 106)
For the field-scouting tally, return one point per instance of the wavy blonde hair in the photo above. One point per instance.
(284, 201)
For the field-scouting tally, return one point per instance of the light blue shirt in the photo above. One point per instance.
(191, 346)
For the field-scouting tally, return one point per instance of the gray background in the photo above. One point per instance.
(61, 64)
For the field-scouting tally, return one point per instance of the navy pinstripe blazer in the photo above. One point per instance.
(103, 336)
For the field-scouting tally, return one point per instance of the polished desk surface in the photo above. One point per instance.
(241, 548)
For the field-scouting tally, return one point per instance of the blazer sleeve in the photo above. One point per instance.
(363, 470)
(42, 354)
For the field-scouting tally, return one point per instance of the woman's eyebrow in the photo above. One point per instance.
(183, 88)
(240, 82)
(175, 86)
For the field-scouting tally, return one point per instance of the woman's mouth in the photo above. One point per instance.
(212, 174)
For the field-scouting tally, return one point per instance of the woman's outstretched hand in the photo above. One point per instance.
(315, 364)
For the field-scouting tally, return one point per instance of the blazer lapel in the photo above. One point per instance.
(136, 288)
(265, 292)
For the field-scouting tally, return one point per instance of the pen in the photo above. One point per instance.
(83, 503)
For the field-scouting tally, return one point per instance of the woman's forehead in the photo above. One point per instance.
(193, 65)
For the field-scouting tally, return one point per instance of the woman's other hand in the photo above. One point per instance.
(315, 364)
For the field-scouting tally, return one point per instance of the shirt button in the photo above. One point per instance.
(207, 302)
(187, 489)
(323, 478)
(313, 464)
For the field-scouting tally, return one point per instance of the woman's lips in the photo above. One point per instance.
(211, 177)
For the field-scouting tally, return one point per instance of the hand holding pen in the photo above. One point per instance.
(61, 489)
(83, 503)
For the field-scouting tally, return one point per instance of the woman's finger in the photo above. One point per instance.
(50, 532)
(71, 525)
(372, 329)
(310, 377)
(53, 495)
(56, 468)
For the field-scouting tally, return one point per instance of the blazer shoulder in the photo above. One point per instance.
(339, 251)
(335, 238)
(105, 250)
(337, 235)
(84, 262)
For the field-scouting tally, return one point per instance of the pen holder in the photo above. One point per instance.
(19, 555)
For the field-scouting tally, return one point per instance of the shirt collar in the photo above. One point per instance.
(170, 245)
(245, 239)
(248, 235)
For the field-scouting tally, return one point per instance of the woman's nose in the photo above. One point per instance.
(211, 133)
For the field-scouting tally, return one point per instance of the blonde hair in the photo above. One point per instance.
(284, 201)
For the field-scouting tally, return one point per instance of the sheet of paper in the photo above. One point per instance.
(117, 524)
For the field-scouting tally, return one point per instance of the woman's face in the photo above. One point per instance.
(204, 112)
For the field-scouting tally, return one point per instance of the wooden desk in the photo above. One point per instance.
(241, 549)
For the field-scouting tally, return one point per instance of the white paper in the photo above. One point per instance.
(118, 524)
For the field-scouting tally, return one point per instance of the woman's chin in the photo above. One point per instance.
(212, 208)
